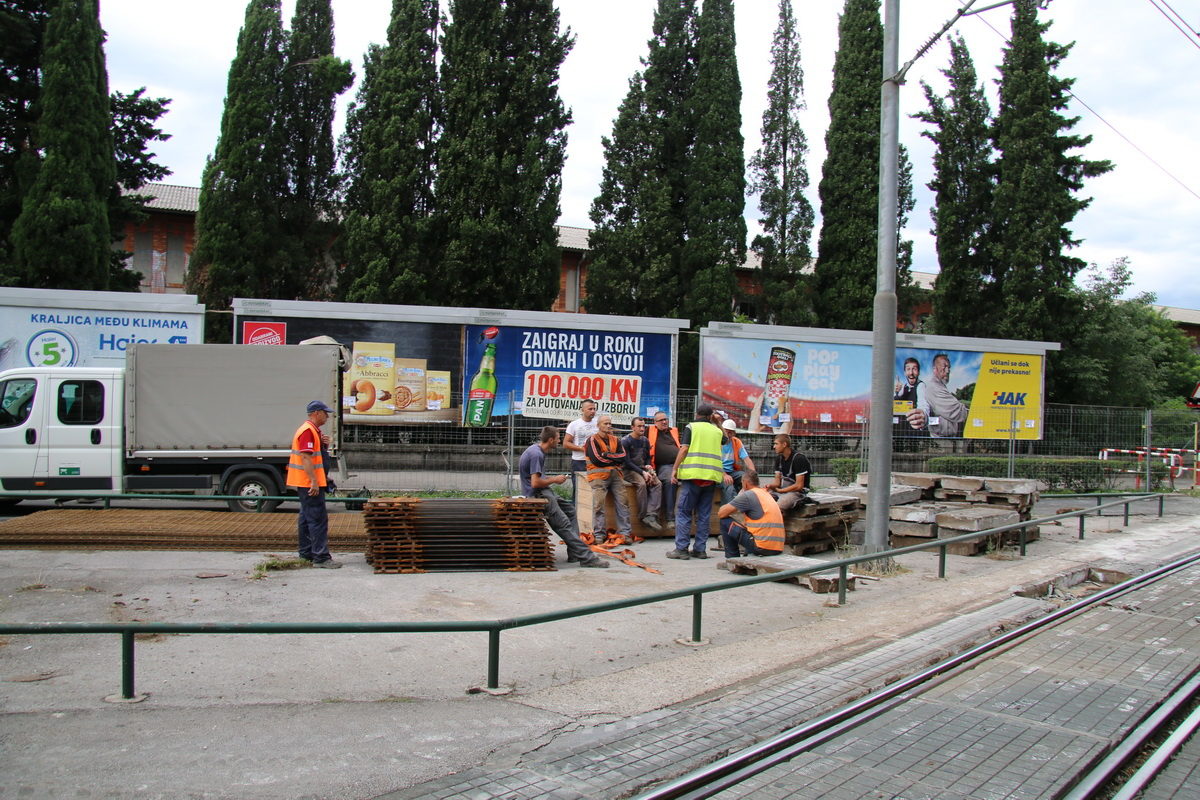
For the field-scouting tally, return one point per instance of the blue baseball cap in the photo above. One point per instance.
(317, 405)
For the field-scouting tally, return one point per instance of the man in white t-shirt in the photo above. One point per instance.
(578, 432)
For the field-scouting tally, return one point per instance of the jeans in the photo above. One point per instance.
(668, 493)
(728, 492)
(697, 499)
(736, 535)
(560, 514)
(312, 526)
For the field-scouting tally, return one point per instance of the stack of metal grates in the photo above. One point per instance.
(443, 534)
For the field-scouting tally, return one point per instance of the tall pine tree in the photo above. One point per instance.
(849, 189)
(964, 303)
(501, 153)
(239, 225)
(390, 152)
(639, 215)
(780, 177)
(1038, 178)
(312, 78)
(62, 237)
(716, 201)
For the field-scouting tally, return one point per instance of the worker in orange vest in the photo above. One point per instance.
(735, 460)
(606, 460)
(306, 474)
(760, 531)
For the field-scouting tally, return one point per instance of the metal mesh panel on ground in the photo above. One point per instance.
(407, 534)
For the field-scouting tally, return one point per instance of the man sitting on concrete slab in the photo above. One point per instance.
(760, 531)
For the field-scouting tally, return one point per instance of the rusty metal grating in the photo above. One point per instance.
(170, 529)
(407, 534)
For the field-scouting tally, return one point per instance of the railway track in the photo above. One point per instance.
(1058, 707)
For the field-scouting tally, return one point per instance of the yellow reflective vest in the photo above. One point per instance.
(296, 476)
(767, 530)
(703, 461)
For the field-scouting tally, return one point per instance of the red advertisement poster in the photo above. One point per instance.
(264, 332)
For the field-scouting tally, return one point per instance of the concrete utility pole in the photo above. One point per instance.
(883, 322)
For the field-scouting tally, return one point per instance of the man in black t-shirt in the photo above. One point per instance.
(791, 474)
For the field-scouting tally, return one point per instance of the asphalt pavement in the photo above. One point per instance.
(361, 715)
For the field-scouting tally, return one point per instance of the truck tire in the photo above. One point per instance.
(250, 485)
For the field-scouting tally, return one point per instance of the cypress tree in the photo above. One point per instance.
(849, 189)
(312, 78)
(639, 216)
(62, 237)
(780, 177)
(963, 302)
(501, 153)
(390, 152)
(1038, 177)
(716, 200)
(238, 227)
(22, 30)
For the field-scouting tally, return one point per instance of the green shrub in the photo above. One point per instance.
(845, 470)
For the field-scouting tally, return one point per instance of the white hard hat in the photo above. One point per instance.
(729, 425)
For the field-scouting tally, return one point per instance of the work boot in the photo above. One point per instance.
(652, 523)
(682, 555)
(699, 554)
(595, 563)
(328, 563)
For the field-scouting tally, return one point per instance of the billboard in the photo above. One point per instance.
(816, 381)
(414, 364)
(64, 328)
(551, 371)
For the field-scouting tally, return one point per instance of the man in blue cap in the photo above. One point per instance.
(306, 473)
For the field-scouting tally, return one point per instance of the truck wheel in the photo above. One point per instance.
(251, 485)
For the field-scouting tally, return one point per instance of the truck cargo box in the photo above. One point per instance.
(199, 398)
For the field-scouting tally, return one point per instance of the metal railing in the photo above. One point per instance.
(128, 630)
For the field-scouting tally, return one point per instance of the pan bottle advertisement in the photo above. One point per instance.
(551, 371)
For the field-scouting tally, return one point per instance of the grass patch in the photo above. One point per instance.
(32, 587)
(278, 564)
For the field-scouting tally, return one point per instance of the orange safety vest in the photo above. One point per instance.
(737, 445)
(604, 445)
(768, 530)
(653, 435)
(296, 476)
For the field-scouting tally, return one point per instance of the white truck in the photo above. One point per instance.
(192, 418)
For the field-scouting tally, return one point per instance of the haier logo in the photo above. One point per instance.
(1009, 398)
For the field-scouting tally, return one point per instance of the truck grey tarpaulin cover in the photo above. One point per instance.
(224, 397)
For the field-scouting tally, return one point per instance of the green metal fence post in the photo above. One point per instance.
(1023, 529)
(843, 578)
(1161, 498)
(494, 658)
(1127, 514)
(697, 613)
(942, 561)
(127, 664)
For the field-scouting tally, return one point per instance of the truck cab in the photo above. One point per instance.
(61, 432)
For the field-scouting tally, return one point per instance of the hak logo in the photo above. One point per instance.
(1009, 398)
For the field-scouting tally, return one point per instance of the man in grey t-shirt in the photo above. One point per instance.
(559, 512)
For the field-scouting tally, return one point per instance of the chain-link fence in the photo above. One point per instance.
(1118, 435)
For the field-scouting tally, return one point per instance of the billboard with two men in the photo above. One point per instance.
(817, 381)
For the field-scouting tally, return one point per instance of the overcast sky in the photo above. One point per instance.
(1133, 69)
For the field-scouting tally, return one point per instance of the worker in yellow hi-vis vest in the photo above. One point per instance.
(698, 471)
